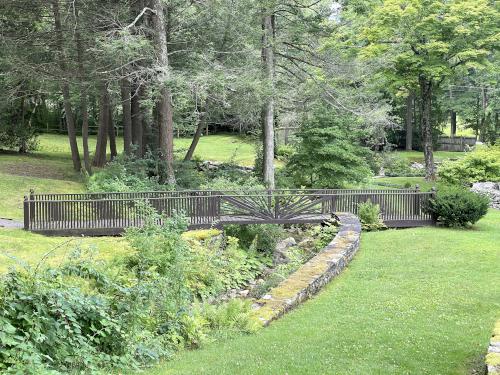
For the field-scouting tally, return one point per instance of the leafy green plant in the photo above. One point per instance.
(329, 154)
(323, 234)
(481, 165)
(262, 237)
(395, 166)
(370, 217)
(285, 152)
(457, 207)
(217, 265)
(231, 317)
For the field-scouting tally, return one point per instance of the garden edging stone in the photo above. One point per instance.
(313, 275)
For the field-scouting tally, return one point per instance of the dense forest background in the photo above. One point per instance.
(357, 75)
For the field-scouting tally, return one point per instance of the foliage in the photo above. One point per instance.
(78, 317)
(124, 174)
(397, 292)
(85, 316)
(323, 234)
(457, 207)
(22, 139)
(48, 324)
(427, 42)
(261, 237)
(296, 256)
(285, 152)
(328, 154)
(230, 317)
(201, 234)
(217, 265)
(395, 166)
(370, 217)
(483, 164)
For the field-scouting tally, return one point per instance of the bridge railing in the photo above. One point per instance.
(111, 213)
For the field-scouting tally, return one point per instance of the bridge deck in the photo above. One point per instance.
(112, 213)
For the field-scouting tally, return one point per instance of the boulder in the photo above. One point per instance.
(307, 244)
(280, 255)
(416, 165)
(491, 190)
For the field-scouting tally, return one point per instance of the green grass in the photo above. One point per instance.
(462, 131)
(399, 182)
(417, 156)
(219, 147)
(49, 169)
(414, 301)
(18, 247)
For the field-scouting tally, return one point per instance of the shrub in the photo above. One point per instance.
(16, 130)
(126, 173)
(457, 207)
(481, 165)
(80, 318)
(250, 183)
(216, 266)
(396, 166)
(201, 234)
(285, 152)
(129, 173)
(21, 139)
(88, 317)
(370, 217)
(261, 237)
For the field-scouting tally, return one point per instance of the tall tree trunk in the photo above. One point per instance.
(136, 118)
(268, 109)
(111, 132)
(426, 127)
(127, 115)
(197, 134)
(23, 147)
(164, 105)
(453, 123)
(70, 118)
(83, 97)
(409, 120)
(102, 133)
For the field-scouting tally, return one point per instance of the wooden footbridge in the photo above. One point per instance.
(95, 214)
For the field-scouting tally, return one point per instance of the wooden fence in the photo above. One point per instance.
(455, 143)
(111, 213)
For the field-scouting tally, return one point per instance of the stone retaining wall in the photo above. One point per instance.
(493, 356)
(314, 274)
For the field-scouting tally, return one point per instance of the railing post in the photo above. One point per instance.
(26, 209)
(276, 207)
(416, 201)
(32, 205)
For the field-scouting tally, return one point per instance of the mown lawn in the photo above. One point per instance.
(49, 169)
(219, 147)
(19, 248)
(414, 301)
(439, 156)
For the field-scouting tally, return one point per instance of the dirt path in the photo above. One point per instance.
(11, 224)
